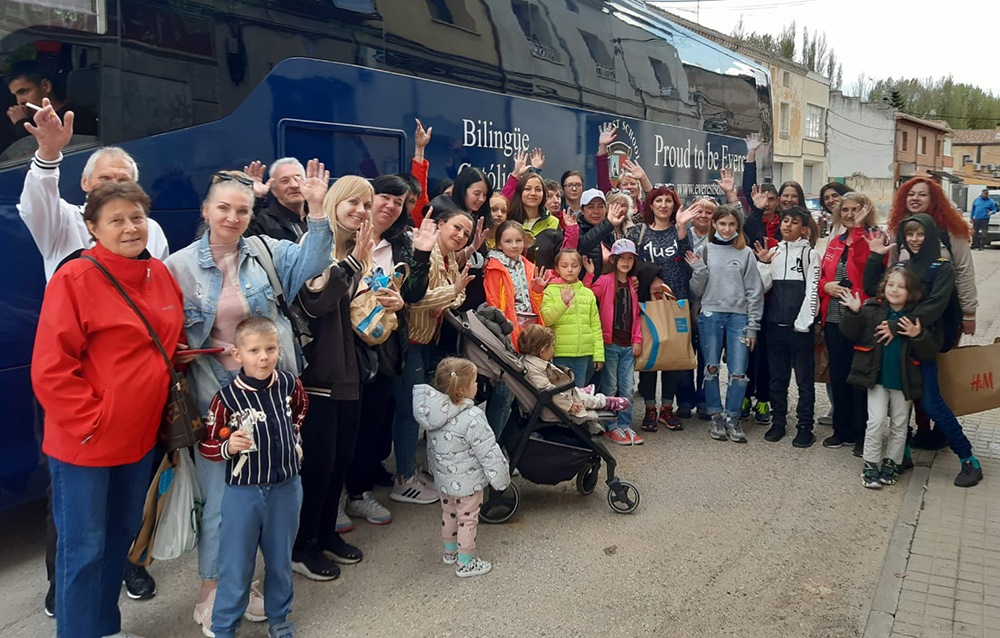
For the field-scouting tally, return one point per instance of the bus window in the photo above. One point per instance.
(68, 75)
(345, 149)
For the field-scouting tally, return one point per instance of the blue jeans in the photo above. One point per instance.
(421, 360)
(940, 413)
(691, 389)
(252, 516)
(730, 329)
(97, 513)
(498, 407)
(212, 479)
(582, 368)
(619, 371)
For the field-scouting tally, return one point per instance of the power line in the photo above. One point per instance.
(831, 112)
(857, 138)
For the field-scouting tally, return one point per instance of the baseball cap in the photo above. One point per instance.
(590, 195)
(623, 247)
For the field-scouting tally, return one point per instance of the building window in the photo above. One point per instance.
(939, 150)
(451, 12)
(603, 61)
(784, 119)
(814, 121)
(922, 145)
(966, 159)
(808, 174)
(905, 143)
(663, 77)
(785, 78)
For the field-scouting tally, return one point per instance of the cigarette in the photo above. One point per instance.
(32, 106)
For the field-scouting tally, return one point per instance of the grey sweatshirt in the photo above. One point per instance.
(727, 280)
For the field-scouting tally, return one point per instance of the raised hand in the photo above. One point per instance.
(608, 134)
(256, 172)
(363, 242)
(763, 253)
(540, 280)
(520, 164)
(634, 169)
(567, 294)
(588, 264)
(850, 300)
(685, 215)
(314, 187)
(753, 141)
(537, 159)
(878, 243)
(51, 134)
(691, 258)
(463, 280)
(426, 236)
(617, 213)
(909, 328)
(422, 137)
(569, 219)
(480, 234)
(727, 180)
(758, 198)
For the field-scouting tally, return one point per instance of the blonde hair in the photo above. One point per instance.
(534, 339)
(236, 180)
(343, 189)
(454, 375)
(870, 220)
(730, 210)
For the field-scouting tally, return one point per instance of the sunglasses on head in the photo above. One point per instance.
(225, 177)
(667, 186)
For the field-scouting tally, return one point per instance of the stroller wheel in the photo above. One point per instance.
(623, 498)
(586, 480)
(498, 507)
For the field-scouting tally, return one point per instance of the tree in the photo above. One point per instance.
(816, 54)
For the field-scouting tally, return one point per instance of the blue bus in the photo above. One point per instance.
(189, 87)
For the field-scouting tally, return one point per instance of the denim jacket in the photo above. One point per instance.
(201, 282)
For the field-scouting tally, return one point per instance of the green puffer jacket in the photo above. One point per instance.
(860, 328)
(578, 327)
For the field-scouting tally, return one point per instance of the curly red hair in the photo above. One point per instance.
(944, 214)
(647, 209)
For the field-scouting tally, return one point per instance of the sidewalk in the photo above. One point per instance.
(941, 575)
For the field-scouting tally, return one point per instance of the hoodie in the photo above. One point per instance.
(727, 280)
(939, 309)
(792, 278)
(462, 451)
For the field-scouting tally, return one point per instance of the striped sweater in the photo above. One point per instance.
(272, 410)
(424, 316)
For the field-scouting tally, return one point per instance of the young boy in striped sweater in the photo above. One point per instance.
(253, 425)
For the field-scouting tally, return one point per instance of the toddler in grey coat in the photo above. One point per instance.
(463, 455)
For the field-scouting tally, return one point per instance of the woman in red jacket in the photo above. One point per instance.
(103, 385)
(843, 268)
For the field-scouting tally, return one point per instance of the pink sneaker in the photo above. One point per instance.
(203, 615)
(588, 389)
(255, 608)
(616, 404)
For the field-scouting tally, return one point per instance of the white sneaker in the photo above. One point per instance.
(412, 490)
(255, 608)
(368, 508)
(203, 615)
(449, 558)
(344, 522)
(475, 567)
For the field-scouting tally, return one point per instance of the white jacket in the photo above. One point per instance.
(792, 278)
(461, 450)
(57, 226)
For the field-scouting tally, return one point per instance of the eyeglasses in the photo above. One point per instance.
(573, 186)
(225, 177)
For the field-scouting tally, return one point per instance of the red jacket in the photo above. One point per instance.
(95, 370)
(499, 287)
(419, 170)
(857, 255)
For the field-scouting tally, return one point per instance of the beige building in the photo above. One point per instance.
(801, 99)
(977, 155)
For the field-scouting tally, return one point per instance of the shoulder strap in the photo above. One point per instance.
(266, 261)
(642, 231)
(128, 300)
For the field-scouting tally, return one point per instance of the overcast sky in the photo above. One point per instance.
(882, 38)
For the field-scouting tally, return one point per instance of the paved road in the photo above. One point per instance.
(760, 540)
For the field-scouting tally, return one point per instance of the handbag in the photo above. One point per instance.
(152, 509)
(666, 336)
(177, 525)
(969, 377)
(181, 425)
(372, 323)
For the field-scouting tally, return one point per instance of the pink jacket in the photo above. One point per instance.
(604, 290)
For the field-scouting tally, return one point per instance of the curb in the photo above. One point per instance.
(886, 598)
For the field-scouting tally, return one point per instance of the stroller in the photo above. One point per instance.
(544, 443)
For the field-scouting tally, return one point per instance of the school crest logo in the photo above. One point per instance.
(626, 147)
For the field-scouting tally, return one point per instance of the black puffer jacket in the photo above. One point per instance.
(860, 328)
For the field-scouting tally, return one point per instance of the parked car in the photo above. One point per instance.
(815, 208)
